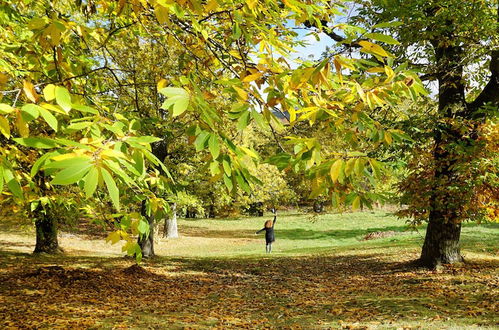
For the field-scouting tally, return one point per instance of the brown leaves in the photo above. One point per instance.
(349, 291)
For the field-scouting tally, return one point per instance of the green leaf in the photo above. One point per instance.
(79, 126)
(201, 140)
(387, 24)
(178, 97)
(382, 37)
(243, 121)
(376, 167)
(12, 183)
(114, 193)
(63, 98)
(214, 146)
(85, 109)
(30, 112)
(69, 162)
(49, 118)
(228, 183)
(138, 158)
(143, 139)
(72, 174)
(41, 161)
(226, 167)
(91, 180)
(143, 227)
(38, 142)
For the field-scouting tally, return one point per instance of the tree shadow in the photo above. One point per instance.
(273, 291)
(291, 234)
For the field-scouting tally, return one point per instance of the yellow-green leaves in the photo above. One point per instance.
(63, 98)
(369, 47)
(214, 146)
(49, 92)
(91, 181)
(37, 142)
(4, 127)
(113, 190)
(382, 37)
(49, 118)
(336, 170)
(178, 98)
(73, 170)
(5, 109)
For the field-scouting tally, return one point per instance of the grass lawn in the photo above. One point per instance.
(321, 274)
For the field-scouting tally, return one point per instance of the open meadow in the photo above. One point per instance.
(321, 274)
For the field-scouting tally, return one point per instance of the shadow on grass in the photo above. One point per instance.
(68, 291)
(291, 234)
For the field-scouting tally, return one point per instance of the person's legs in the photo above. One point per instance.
(270, 247)
(267, 248)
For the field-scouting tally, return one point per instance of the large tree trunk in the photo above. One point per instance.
(441, 244)
(45, 224)
(46, 234)
(171, 230)
(146, 243)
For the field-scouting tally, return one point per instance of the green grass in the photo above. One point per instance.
(299, 234)
(322, 274)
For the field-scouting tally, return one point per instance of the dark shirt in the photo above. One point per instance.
(269, 232)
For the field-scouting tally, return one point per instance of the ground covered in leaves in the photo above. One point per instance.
(359, 287)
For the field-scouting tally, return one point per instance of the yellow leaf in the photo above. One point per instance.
(252, 77)
(211, 6)
(336, 169)
(3, 79)
(389, 73)
(4, 127)
(356, 203)
(241, 93)
(375, 69)
(30, 92)
(369, 47)
(161, 14)
(388, 137)
(337, 66)
(22, 127)
(251, 4)
(64, 156)
(114, 237)
(161, 84)
(49, 92)
(235, 53)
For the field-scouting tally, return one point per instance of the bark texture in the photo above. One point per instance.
(45, 224)
(46, 235)
(441, 244)
(146, 243)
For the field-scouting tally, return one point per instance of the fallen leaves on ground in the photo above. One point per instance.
(354, 290)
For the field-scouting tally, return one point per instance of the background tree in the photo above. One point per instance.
(456, 44)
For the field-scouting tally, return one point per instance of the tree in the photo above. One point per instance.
(223, 51)
(456, 44)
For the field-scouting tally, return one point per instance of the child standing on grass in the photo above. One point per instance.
(269, 232)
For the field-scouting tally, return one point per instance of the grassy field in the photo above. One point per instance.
(321, 274)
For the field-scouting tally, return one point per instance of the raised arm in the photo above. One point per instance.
(275, 217)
